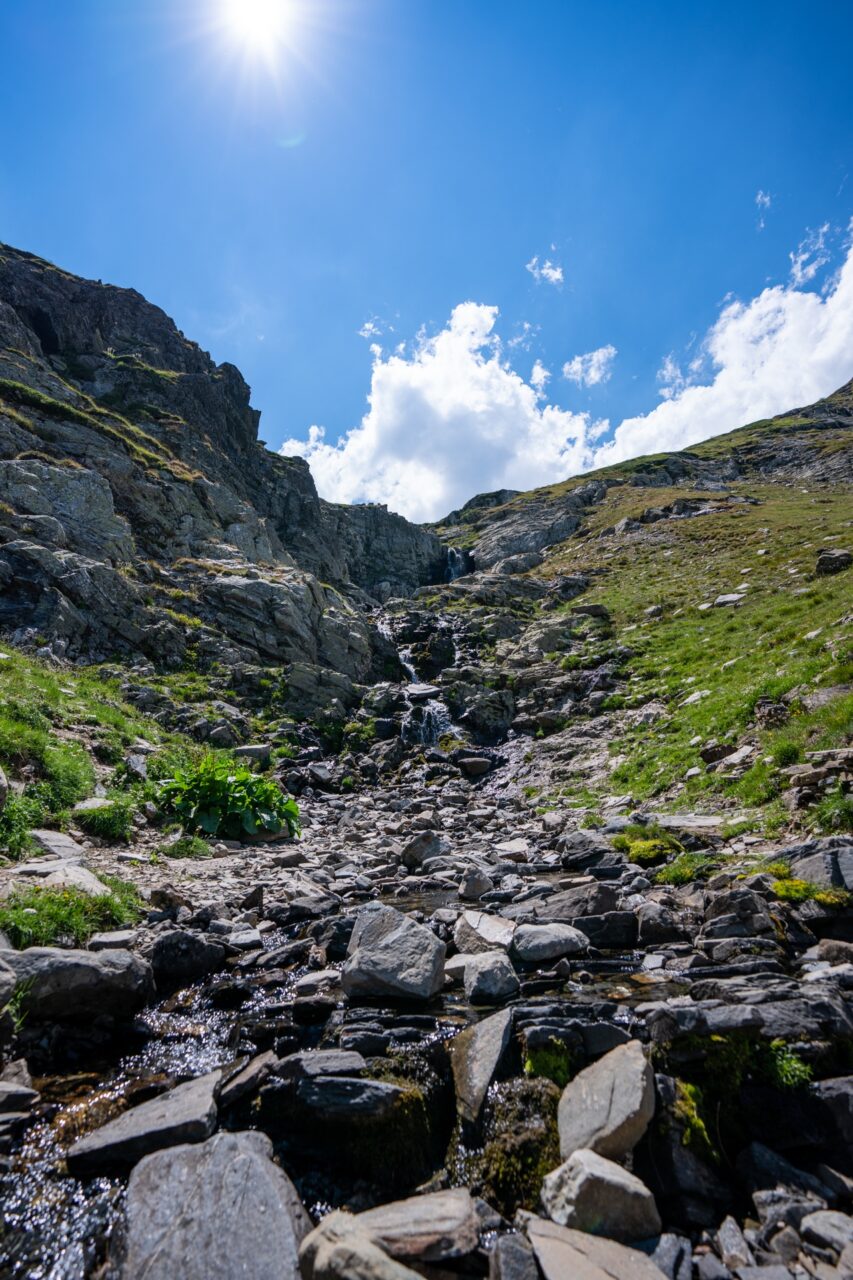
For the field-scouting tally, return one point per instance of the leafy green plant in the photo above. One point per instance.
(69, 773)
(685, 868)
(17, 818)
(834, 812)
(39, 917)
(112, 822)
(780, 1066)
(785, 753)
(796, 891)
(220, 798)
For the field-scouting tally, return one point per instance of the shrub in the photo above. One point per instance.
(833, 813)
(220, 798)
(38, 917)
(185, 847)
(685, 868)
(17, 817)
(796, 891)
(113, 822)
(786, 753)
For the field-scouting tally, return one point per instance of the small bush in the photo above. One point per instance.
(833, 813)
(38, 917)
(185, 847)
(113, 822)
(17, 818)
(686, 868)
(786, 753)
(221, 798)
(796, 891)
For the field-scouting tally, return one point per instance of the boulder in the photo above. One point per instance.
(341, 1249)
(186, 1113)
(389, 954)
(608, 1106)
(534, 943)
(827, 860)
(180, 955)
(596, 1195)
(427, 1228)
(489, 978)
(832, 560)
(479, 931)
(475, 1055)
(69, 985)
(563, 1253)
(474, 884)
(201, 1212)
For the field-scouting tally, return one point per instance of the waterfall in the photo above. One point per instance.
(457, 564)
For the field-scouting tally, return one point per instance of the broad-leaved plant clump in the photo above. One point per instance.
(220, 798)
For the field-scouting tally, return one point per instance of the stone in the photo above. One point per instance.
(8, 982)
(596, 1195)
(828, 1228)
(512, 1259)
(426, 1228)
(489, 978)
(4, 788)
(566, 1254)
(181, 955)
(208, 1211)
(832, 560)
(426, 844)
(732, 1245)
(186, 1113)
(58, 845)
(475, 1056)
(474, 884)
(609, 1105)
(340, 1249)
(69, 985)
(389, 954)
(479, 931)
(534, 943)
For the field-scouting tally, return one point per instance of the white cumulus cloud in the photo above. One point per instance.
(550, 272)
(444, 422)
(448, 418)
(591, 369)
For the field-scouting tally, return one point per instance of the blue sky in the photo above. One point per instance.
(584, 175)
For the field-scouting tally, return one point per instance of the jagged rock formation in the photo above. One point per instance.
(124, 449)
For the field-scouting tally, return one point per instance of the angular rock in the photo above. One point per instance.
(186, 1113)
(209, 1211)
(566, 1254)
(69, 985)
(479, 931)
(180, 955)
(512, 1259)
(428, 1228)
(828, 1228)
(389, 954)
(489, 978)
(608, 1106)
(475, 1055)
(340, 1249)
(534, 943)
(596, 1195)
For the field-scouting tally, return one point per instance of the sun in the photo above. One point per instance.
(260, 27)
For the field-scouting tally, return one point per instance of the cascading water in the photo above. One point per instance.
(427, 719)
(457, 564)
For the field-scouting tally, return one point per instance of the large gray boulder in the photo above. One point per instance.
(599, 1196)
(475, 1055)
(566, 1254)
(69, 985)
(340, 1248)
(479, 931)
(428, 1228)
(535, 943)
(827, 860)
(213, 1211)
(389, 954)
(186, 1113)
(489, 978)
(608, 1106)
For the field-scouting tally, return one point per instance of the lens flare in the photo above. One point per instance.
(260, 27)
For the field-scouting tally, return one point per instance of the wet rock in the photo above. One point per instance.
(534, 943)
(489, 978)
(69, 985)
(608, 1106)
(427, 1228)
(478, 931)
(390, 954)
(563, 1252)
(340, 1249)
(594, 1194)
(180, 955)
(186, 1113)
(209, 1211)
(475, 1056)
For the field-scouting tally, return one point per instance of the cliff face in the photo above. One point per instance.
(127, 457)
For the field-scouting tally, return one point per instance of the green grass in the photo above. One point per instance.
(112, 822)
(38, 917)
(797, 891)
(686, 868)
(185, 847)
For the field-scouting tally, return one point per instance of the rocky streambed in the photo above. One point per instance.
(439, 1038)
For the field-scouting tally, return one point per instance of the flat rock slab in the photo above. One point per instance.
(566, 1254)
(534, 943)
(69, 985)
(475, 1056)
(58, 845)
(479, 931)
(429, 1228)
(186, 1113)
(608, 1106)
(213, 1211)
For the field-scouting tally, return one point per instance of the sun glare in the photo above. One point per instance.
(259, 26)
